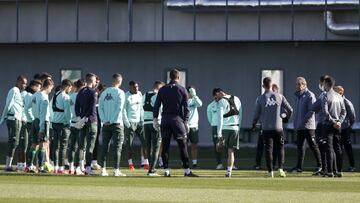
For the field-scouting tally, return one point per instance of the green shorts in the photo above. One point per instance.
(231, 139)
(34, 132)
(193, 135)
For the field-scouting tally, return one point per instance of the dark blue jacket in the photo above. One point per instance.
(174, 98)
(85, 105)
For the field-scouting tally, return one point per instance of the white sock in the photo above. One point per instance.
(24, 164)
(130, 162)
(10, 162)
(229, 169)
(194, 162)
(142, 160)
(187, 171)
(71, 165)
(146, 161)
(61, 168)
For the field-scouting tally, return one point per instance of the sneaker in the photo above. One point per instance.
(282, 173)
(328, 175)
(117, 173)
(9, 169)
(317, 172)
(32, 169)
(271, 174)
(79, 172)
(89, 171)
(338, 174)
(146, 167)
(104, 173)
(167, 174)
(351, 169)
(131, 167)
(153, 174)
(257, 167)
(295, 170)
(219, 167)
(95, 166)
(191, 174)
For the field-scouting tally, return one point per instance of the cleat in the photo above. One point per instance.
(295, 170)
(219, 167)
(32, 169)
(48, 167)
(9, 169)
(282, 173)
(95, 166)
(328, 175)
(153, 174)
(191, 174)
(167, 174)
(117, 173)
(257, 167)
(271, 174)
(131, 167)
(351, 169)
(228, 175)
(146, 167)
(26, 170)
(338, 174)
(317, 172)
(104, 173)
(89, 171)
(78, 172)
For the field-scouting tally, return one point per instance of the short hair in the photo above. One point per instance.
(158, 83)
(37, 76)
(275, 86)
(339, 89)
(132, 83)
(329, 82)
(216, 90)
(44, 75)
(302, 80)
(266, 82)
(57, 88)
(116, 76)
(20, 78)
(79, 83)
(174, 74)
(89, 76)
(34, 83)
(47, 83)
(323, 77)
(66, 83)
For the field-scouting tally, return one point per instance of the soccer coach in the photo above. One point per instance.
(174, 122)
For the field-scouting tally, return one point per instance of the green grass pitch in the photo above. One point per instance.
(245, 185)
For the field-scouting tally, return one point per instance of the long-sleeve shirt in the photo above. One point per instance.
(62, 103)
(304, 117)
(212, 113)
(193, 104)
(268, 108)
(317, 107)
(174, 98)
(231, 122)
(41, 109)
(350, 114)
(73, 96)
(111, 106)
(85, 105)
(133, 108)
(28, 107)
(333, 108)
(14, 106)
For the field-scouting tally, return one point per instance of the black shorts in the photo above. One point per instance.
(173, 127)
